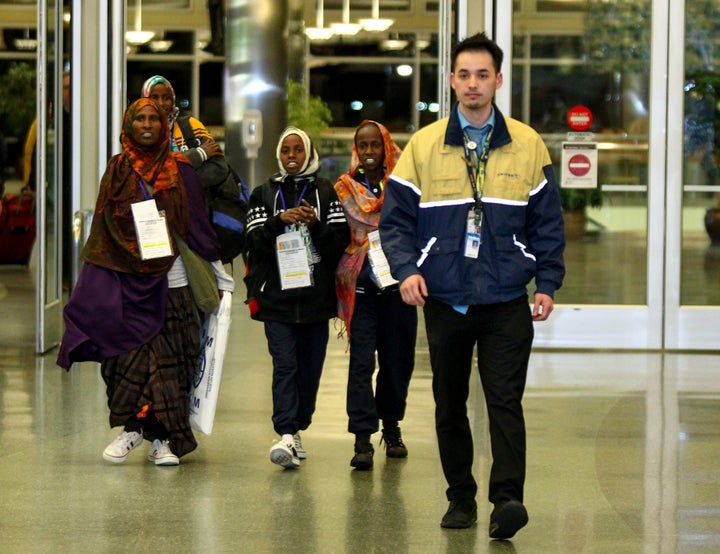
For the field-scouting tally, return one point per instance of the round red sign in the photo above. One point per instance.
(579, 118)
(579, 165)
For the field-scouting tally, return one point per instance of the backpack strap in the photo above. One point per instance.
(188, 134)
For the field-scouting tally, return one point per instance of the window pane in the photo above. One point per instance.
(428, 108)
(700, 285)
(364, 91)
(603, 66)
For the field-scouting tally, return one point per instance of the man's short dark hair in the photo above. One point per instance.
(477, 43)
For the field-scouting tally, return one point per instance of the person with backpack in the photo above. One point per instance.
(296, 234)
(204, 148)
(227, 194)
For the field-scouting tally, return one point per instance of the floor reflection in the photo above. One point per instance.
(623, 451)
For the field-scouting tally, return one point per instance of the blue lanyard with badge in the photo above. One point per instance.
(294, 272)
(473, 235)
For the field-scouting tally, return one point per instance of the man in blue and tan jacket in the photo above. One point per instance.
(471, 215)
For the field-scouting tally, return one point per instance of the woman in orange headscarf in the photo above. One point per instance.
(132, 312)
(369, 303)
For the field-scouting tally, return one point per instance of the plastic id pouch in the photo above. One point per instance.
(152, 231)
(378, 261)
(292, 257)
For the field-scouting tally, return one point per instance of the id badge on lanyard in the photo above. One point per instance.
(150, 227)
(473, 237)
(473, 232)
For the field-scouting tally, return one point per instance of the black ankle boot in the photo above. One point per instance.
(363, 458)
(394, 446)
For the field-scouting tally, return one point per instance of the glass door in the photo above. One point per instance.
(643, 263)
(601, 56)
(48, 170)
(693, 177)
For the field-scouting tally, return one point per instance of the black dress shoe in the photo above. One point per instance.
(507, 518)
(461, 514)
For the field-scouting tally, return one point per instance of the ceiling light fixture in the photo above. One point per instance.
(137, 36)
(319, 32)
(374, 23)
(25, 43)
(404, 70)
(161, 45)
(346, 28)
(393, 44)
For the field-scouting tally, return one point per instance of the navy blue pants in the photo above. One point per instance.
(298, 354)
(383, 323)
(503, 334)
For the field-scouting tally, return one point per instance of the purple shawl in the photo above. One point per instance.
(110, 312)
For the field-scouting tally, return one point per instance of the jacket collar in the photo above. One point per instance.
(454, 133)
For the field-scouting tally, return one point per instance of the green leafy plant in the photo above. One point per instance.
(617, 35)
(17, 99)
(307, 112)
(579, 199)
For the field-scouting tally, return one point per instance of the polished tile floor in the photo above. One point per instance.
(624, 457)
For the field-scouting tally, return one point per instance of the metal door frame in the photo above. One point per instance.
(48, 298)
(644, 327)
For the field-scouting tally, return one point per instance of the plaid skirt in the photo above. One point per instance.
(158, 374)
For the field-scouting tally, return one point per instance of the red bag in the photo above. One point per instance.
(17, 227)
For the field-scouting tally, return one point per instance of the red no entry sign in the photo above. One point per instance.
(579, 165)
(579, 118)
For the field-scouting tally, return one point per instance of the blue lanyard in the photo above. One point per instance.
(299, 200)
(380, 186)
(145, 189)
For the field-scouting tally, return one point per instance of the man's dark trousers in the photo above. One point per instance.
(503, 333)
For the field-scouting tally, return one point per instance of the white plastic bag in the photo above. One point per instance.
(208, 372)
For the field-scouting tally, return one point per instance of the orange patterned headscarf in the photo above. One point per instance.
(113, 241)
(156, 165)
(362, 211)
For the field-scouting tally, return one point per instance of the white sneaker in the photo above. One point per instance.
(117, 450)
(161, 455)
(299, 450)
(284, 455)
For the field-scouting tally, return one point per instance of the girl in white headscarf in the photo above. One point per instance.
(294, 207)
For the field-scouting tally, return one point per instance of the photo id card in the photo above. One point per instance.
(472, 245)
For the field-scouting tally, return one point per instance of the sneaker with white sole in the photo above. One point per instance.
(118, 450)
(284, 455)
(299, 450)
(161, 455)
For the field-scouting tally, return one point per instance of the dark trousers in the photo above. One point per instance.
(383, 323)
(298, 353)
(503, 334)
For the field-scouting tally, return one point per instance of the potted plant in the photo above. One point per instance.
(574, 203)
(17, 106)
(307, 112)
(702, 138)
(702, 106)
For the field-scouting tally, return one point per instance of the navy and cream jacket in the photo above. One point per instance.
(423, 223)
